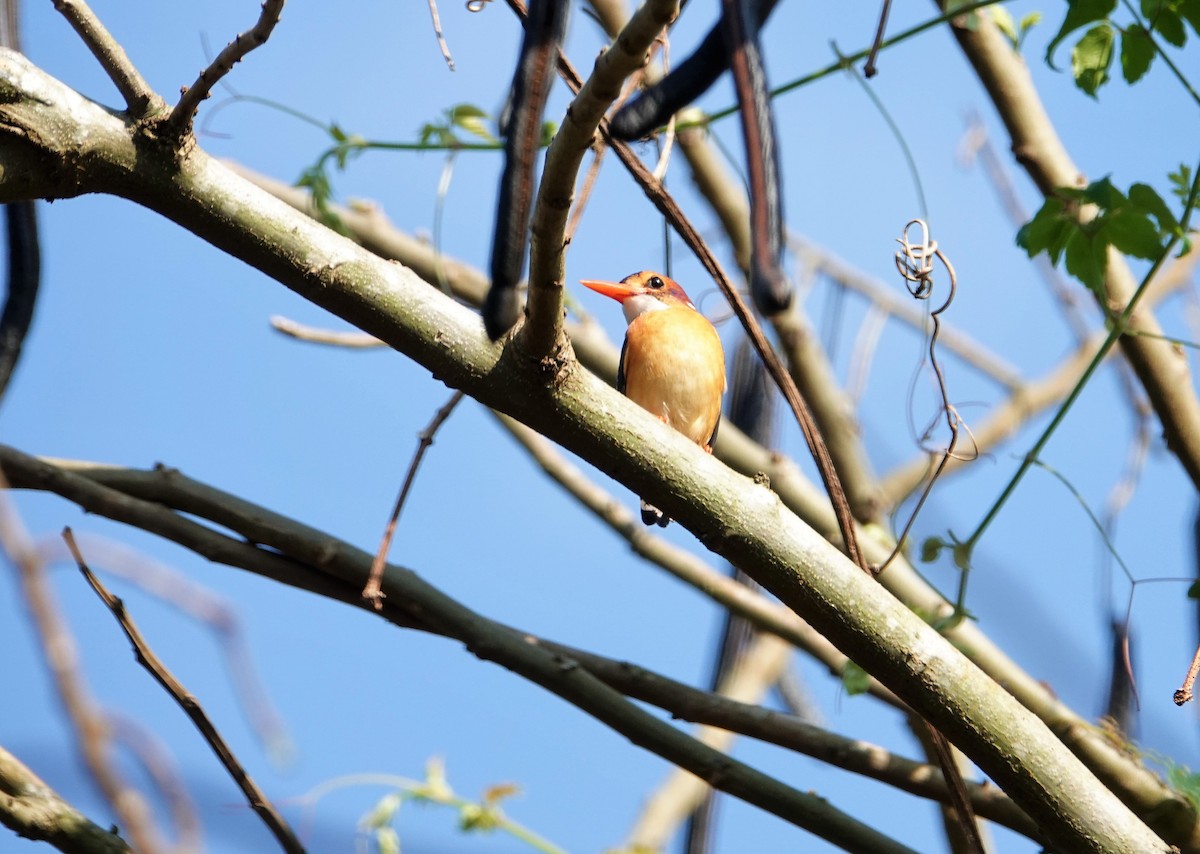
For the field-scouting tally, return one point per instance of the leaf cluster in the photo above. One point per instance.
(1092, 56)
(1138, 223)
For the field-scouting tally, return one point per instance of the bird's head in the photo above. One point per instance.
(642, 292)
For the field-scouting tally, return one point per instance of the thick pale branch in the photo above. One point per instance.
(153, 500)
(806, 359)
(738, 598)
(1137, 786)
(342, 569)
(547, 265)
(35, 811)
(733, 516)
(1160, 367)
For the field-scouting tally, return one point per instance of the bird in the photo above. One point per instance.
(672, 363)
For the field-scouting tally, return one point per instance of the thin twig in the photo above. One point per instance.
(585, 193)
(62, 660)
(959, 799)
(437, 31)
(317, 335)
(869, 70)
(181, 116)
(259, 802)
(1184, 694)
(373, 591)
(140, 99)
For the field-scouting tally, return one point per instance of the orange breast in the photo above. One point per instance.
(675, 368)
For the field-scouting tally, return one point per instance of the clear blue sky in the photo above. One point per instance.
(151, 346)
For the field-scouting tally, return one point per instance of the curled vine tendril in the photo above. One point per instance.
(916, 262)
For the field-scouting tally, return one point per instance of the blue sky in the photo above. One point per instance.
(151, 346)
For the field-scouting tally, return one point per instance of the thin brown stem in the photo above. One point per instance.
(180, 120)
(146, 656)
(1184, 694)
(373, 591)
(140, 99)
(62, 660)
(437, 31)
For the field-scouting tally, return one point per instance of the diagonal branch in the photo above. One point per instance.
(33, 810)
(140, 100)
(146, 656)
(547, 266)
(180, 120)
(1160, 367)
(410, 601)
(1135, 784)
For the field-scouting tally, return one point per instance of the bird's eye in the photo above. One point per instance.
(656, 283)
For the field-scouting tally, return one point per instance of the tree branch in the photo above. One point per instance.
(1161, 368)
(341, 570)
(140, 99)
(547, 264)
(146, 656)
(181, 116)
(35, 811)
(43, 119)
(1171, 813)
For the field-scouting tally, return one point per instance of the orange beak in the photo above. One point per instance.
(618, 291)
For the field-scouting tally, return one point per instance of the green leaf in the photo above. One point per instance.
(1189, 10)
(1047, 231)
(1004, 22)
(1103, 194)
(1147, 199)
(1091, 58)
(854, 679)
(931, 548)
(1079, 13)
(1137, 52)
(1181, 182)
(471, 119)
(962, 556)
(1170, 26)
(1194, 590)
(1132, 232)
(337, 133)
(1087, 260)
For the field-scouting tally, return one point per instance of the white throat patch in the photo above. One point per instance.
(636, 306)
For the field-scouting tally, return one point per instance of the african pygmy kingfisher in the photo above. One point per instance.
(672, 363)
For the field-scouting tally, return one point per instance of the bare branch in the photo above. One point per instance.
(372, 591)
(682, 564)
(1135, 784)
(1162, 370)
(62, 660)
(35, 811)
(180, 120)
(312, 334)
(681, 793)
(146, 656)
(547, 266)
(140, 99)
(413, 602)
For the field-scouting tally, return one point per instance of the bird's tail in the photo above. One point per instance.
(651, 515)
